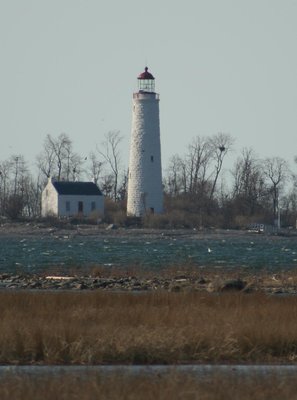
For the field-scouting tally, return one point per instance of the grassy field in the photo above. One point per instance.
(168, 387)
(146, 328)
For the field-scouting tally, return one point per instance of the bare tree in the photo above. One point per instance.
(189, 174)
(96, 168)
(33, 191)
(110, 152)
(276, 170)
(173, 180)
(221, 144)
(198, 160)
(107, 185)
(58, 158)
(192, 179)
(46, 159)
(16, 198)
(122, 190)
(5, 170)
(19, 171)
(61, 147)
(76, 167)
(249, 182)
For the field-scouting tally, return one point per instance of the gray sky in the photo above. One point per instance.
(220, 66)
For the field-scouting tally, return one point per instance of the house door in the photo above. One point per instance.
(80, 207)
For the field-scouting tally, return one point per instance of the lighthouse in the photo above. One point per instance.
(145, 192)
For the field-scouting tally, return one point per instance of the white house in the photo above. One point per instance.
(65, 199)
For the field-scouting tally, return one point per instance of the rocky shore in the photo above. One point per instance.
(181, 283)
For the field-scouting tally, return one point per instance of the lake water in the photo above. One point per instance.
(36, 254)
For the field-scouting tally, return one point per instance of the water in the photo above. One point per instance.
(36, 254)
(202, 371)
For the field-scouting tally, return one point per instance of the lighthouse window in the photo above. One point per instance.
(152, 158)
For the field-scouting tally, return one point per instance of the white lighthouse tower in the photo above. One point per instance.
(145, 192)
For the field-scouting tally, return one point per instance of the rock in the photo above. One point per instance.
(214, 286)
(166, 285)
(4, 276)
(219, 285)
(175, 288)
(12, 286)
(136, 288)
(277, 291)
(181, 277)
(111, 226)
(249, 288)
(34, 285)
(233, 285)
(80, 286)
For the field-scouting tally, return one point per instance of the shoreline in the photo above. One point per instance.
(33, 229)
(178, 280)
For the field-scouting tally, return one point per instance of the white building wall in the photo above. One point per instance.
(145, 192)
(49, 200)
(73, 205)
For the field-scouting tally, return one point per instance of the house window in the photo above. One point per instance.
(93, 205)
(80, 206)
(152, 158)
(67, 206)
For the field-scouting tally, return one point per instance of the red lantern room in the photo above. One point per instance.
(146, 81)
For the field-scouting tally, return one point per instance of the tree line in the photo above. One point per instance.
(258, 190)
(196, 191)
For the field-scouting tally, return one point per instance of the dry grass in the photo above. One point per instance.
(160, 327)
(166, 387)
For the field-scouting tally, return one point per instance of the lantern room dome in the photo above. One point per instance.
(146, 75)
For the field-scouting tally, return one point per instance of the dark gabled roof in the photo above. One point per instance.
(77, 188)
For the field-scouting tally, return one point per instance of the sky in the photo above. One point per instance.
(71, 66)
